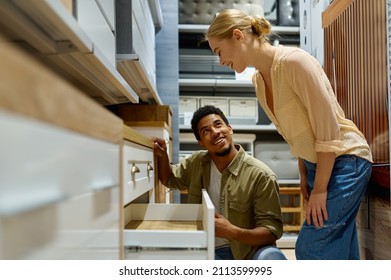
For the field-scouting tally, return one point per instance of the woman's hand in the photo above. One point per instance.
(316, 208)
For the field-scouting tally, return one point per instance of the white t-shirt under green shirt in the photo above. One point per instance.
(214, 194)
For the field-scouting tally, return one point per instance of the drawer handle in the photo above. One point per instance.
(149, 167)
(135, 169)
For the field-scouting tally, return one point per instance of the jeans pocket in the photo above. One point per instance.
(345, 165)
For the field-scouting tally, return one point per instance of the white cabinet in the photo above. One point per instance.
(97, 19)
(83, 52)
(58, 192)
(59, 162)
(79, 40)
(136, 54)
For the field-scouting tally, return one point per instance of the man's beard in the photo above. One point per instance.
(224, 152)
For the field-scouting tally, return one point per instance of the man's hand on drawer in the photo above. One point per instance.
(164, 166)
(160, 147)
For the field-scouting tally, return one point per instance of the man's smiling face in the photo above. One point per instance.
(215, 134)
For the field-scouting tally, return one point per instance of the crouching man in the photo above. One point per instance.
(244, 190)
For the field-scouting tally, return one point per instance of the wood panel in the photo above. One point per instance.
(356, 63)
(31, 89)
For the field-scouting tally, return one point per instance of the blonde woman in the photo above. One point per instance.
(333, 155)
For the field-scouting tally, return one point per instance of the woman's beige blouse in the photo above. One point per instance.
(306, 111)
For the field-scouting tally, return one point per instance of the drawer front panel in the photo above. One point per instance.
(137, 171)
(42, 164)
(82, 220)
(83, 217)
(64, 230)
(54, 185)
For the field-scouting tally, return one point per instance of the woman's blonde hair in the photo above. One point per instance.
(225, 22)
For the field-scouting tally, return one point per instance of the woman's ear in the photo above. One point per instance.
(237, 34)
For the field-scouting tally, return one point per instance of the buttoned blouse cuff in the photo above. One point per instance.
(328, 146)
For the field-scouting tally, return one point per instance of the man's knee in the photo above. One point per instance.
(269, 253)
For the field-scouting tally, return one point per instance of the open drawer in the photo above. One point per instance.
(169, 231)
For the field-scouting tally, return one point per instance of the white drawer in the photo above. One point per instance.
(42, 164)
(64, 230)
(137, 171)
(58, 189)
(187, 107)
(172, 230)
(82, 218)
(221, 103)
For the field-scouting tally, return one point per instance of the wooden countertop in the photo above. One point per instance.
(132, 135)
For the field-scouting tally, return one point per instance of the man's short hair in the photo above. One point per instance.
(202, 112)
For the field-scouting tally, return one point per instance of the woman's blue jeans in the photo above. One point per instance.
(337, 239)
(263, 253)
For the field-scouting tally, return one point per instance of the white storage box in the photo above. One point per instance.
(221, 103)
(243, 107)
(187, 106)
(243, 110)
